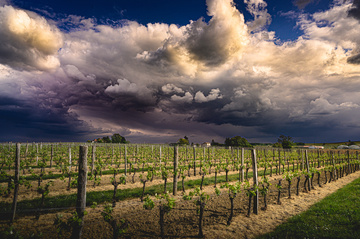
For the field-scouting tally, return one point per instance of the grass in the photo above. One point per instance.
(336, 216)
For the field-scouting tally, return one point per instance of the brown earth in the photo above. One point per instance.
(182, 221)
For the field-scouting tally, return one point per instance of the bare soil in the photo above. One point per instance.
(182, 221)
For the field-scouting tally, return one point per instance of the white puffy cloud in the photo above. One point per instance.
(187, 98)
(257, 8)
(125, 87)
(321, 106)
(200, 45)
(138, 78)
(213, 95)
(171, 88)
(28, 41)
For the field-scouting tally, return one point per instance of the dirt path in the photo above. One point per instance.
(266, 221)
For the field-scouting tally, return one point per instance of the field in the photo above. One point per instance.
(48, 187)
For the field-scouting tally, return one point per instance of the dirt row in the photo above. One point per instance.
(182, 221)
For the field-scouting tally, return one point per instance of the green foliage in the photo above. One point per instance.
(107, 213)
(285, 141)
(118, 228)
(234, 189)
(62, 226)
(148, 203)
(166, 201)
(202, 197)
(288, 176)
(237, 141)
(44, 190)
(277, 145)
(183, 141)
(250, 190)
(217, 191)
(117, 138)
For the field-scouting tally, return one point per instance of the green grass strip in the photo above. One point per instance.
(336, 216)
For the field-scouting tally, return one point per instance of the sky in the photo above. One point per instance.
(156, 71)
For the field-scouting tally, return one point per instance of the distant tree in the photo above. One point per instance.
(285, 141)
(106, 139)
(183, 141)
(237, 141)
(277, 145)
(118, 139)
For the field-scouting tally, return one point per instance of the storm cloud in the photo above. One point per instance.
(158, 82)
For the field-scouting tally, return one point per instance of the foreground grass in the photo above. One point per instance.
(336, 216)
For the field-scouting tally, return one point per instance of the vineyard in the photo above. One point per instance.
(58, 190)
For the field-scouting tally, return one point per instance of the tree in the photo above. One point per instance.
(183, 141)
(117, 138)
(237, 141)
(285, 141)
(106, 139)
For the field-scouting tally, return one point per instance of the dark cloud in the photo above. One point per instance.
(159, 82)
(354, 59)
(355, 10)
(21, 121)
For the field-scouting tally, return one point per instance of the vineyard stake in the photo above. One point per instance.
(194, 160)
(255, 177)
(242, 164)
(125, 157)
(52, 155)
(81, 193)
(307, 167)
(93, 159)
(176, 160)
(16, 181)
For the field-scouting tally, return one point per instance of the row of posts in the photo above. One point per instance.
(82, 178)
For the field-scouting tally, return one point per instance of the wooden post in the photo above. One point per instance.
(176, 160)
(26, 150)
(194, 161)
(160, 157)
(112, 156)
(279, 162)
(52, 155)
(333, 162)
(348, 161)
(37, 154)
(93, 149)
(81, 193)
(125, 157)
(307, 167)
(255, 178)
(302, 160)
(16, 181)
(69, 158)
(242, 164)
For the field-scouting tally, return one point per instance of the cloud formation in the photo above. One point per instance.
(28, 41)
(158, 82)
